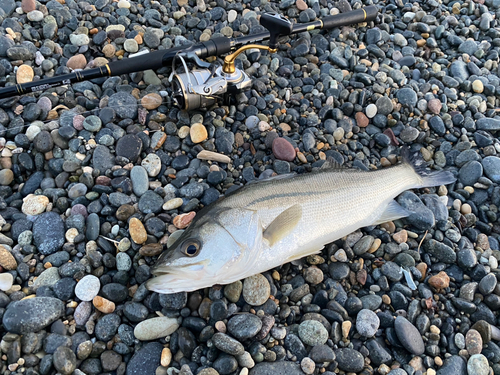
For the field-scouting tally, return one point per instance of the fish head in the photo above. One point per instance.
(218, 247)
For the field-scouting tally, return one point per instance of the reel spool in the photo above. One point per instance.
(202, 88)
(186, 98)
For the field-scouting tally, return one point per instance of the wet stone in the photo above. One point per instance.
(409, 336)
(322, 353)
(349, 360)
(378, 354)
(244, 326)
(32, 315)
(295, 346)
(478, 364)
(367, 323)
(473, 342)
(107, 327)
(256, 290)
(64, 360)
(420, 216)
(440, 251)
(487, 284)
(276, 368)
(227, 344)
(124, 104)
(48, 233)
(313, 333)
(145, 360)
(130, 147)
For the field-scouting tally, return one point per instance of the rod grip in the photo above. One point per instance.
(365, 14)
(152, 60)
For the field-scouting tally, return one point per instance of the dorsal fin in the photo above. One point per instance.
(331, 163)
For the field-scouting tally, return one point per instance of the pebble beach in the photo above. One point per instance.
(98, 177)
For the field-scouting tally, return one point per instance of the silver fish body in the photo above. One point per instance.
(266, 224)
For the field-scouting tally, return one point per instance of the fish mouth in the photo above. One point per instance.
(174, 279)
(169, 284)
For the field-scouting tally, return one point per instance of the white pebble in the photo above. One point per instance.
(231, 16)
(152, 164)
(87, 288)
(371, 110)
(493, 262)
(32, 132)
(6, 281)
(263, 126)
(123, 4)
(155, 328)
(35, 16)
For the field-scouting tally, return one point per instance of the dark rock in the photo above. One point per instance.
(48, 233)
(350, 360)
(32, 315)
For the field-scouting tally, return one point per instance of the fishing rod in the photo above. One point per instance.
(201, 87)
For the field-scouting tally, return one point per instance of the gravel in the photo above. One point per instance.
(94, 178)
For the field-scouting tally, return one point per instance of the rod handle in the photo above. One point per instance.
(151, 60)
(365, 14)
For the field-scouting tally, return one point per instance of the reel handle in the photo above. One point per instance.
(277, 25)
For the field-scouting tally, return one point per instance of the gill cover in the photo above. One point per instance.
(230, 241)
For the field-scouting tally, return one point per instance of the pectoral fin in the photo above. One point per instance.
(283, 224)
(393, 211)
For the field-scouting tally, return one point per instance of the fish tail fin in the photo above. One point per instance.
(426, 178)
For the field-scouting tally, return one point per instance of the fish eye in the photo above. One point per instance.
(191, 247)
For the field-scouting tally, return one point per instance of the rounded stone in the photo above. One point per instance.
(155, 328)
(137, 231)
(6, 177)
(77, 62)
(198, 133)
(64, 360)
(92, 123)
(87, 288)
(131, 45)
(367, 323)
(139, 179)
(152, 164)
(371, 110)
(349, 360)
(478, 365)
(7, 260)
(151, 101)
(6, 281)
(312, 333)
(34, 204)
(409, 336)
(473, 342)
(172, 204)
(24, 74)
(256, 290)
(477, 86)
(283, 150)
(244, 326)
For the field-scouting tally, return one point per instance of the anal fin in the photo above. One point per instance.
(393, 211)
(283, 224)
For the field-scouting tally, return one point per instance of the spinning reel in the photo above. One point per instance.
(202, 87)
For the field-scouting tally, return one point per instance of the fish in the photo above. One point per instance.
(268, 223)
